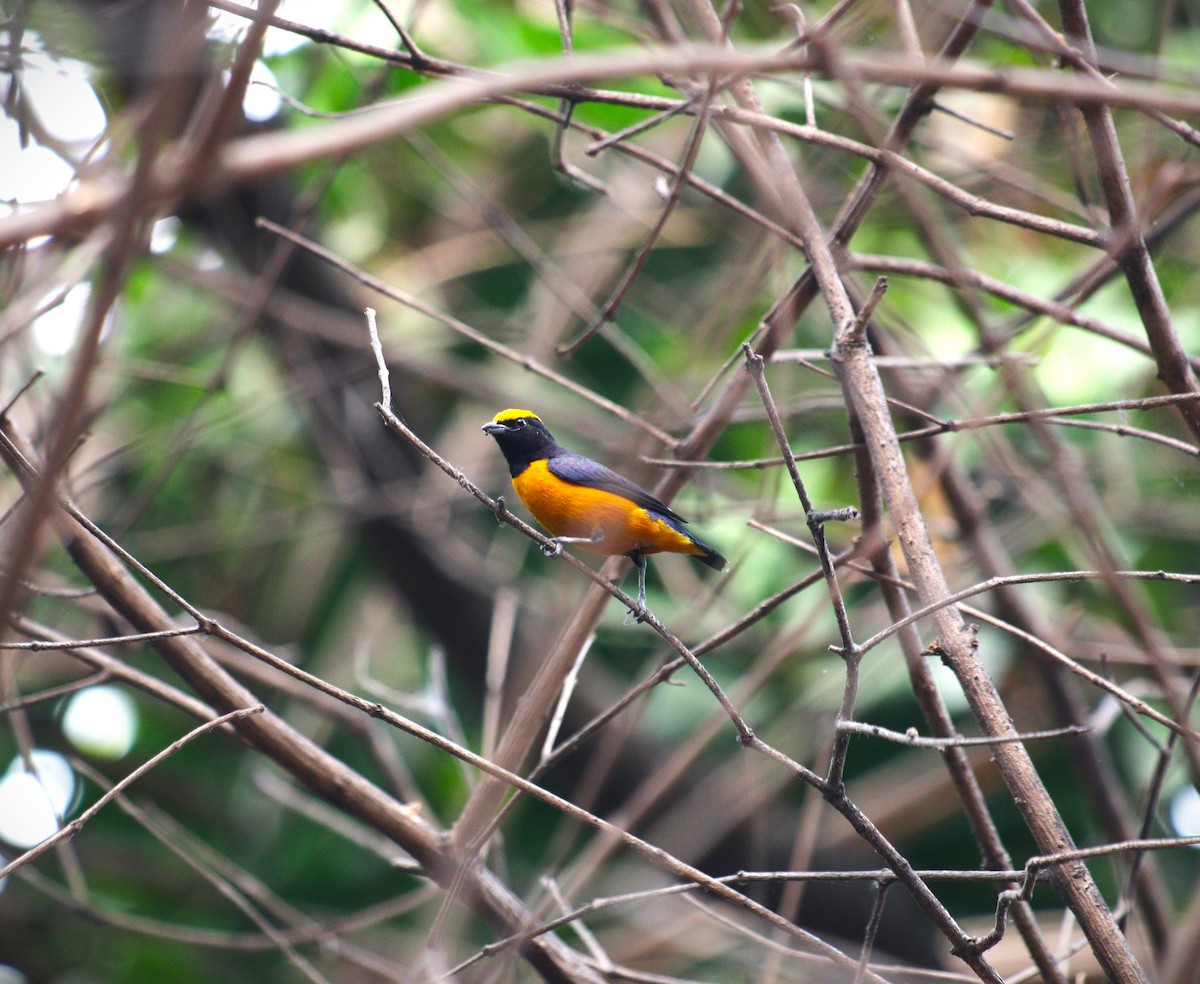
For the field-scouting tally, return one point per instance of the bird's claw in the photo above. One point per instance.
(640, 613)
(552, 549)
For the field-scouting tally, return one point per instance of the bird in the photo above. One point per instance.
(583, 502)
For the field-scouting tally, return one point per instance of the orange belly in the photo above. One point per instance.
(566, 509)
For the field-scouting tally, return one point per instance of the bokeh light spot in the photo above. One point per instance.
(101, 721)
(31, 803)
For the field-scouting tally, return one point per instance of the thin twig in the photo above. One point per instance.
(910, 737)
(385, 379)
(851, 654)
(879, 894)
(63, 645)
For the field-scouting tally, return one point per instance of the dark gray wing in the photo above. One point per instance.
(578, 470)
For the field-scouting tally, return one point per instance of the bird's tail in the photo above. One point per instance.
(702, 551)
(708, 556)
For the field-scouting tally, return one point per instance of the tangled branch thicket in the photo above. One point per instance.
(896, 301)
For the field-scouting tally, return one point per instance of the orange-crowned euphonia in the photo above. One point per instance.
(581, 501)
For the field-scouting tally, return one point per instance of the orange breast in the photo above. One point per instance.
(577, 510)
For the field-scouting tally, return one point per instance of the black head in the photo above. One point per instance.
(522, 437)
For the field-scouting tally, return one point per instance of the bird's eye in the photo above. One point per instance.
(520, 422)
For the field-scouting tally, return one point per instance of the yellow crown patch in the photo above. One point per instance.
(513, 414)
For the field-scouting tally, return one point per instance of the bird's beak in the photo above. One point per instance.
(491, 427)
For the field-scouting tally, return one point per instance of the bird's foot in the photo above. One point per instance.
(552, 549)
(640, 613)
